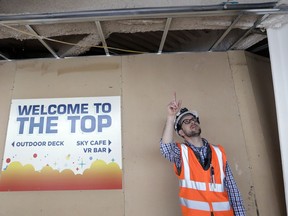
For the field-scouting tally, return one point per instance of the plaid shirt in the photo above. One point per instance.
(171, 152)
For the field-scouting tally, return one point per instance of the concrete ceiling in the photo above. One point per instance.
(59, 29)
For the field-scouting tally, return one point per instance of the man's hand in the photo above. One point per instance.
(174, 106)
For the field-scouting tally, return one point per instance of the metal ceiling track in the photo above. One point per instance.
(4, 57)
(166, 29)
(102, 37)
(226, 32)
(258, 21)
(225, 9)
(42, 41)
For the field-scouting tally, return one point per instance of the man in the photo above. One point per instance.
(207, 186)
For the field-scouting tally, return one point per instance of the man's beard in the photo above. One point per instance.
(192, 133)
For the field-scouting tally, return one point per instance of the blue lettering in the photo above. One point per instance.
(43, 112)
(97, 105)
(105, 107)
(84, 108)
(73, 122)
(92, 125)
(104, 121)
(34, 124)
(53, 109)
(24, 110)
(35, 110)
(88, 123)
(22, 121)
(61, 109)
(73, 110)
(50, 124)
(50, 107)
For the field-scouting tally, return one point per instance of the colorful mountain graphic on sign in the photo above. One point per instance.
(100, 175)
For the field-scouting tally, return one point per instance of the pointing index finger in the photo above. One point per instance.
(175, 97)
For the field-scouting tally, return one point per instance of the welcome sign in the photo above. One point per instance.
(63, 144)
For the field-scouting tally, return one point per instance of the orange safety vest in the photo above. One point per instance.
(202, 191)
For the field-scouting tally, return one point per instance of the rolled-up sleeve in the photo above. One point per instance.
(171, 152)
(234, 193)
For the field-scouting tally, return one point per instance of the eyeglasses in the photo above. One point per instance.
(188, 121)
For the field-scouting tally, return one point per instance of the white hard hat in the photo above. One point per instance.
(184, 111)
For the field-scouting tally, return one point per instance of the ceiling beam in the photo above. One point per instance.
(4, 57)
(42, 41)
(258, 21)
(137, 13)
(101, 35)
(166, 29)
(226, 32)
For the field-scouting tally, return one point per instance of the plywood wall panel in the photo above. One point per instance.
(203, 82)
(7, 75)
(87, 77)
(226, 90)
(253, 84)
(68, 78)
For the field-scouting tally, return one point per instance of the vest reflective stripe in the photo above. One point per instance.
(198, 205)
(216, 187)
(200, 185)
(185, 160)
(220, 161)
(193, 185)
(221, 206)
(198, 194)
(204, 206)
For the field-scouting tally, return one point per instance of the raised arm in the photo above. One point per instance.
(172, 109)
